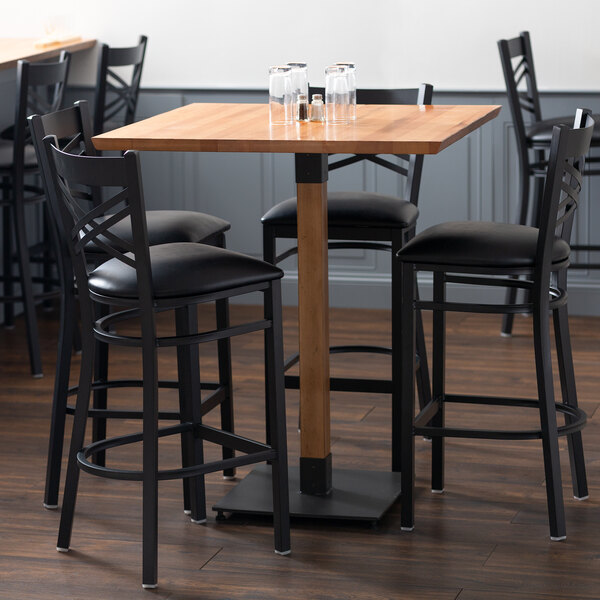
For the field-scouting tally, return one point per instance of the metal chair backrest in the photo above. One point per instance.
(521, 86)
(40, 89)
(411, 166)
(72, 126)
(69, 178)
(563, 183)
(116, 96)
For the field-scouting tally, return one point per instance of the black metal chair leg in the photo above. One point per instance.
(543, 364)
(33, 339)
(47, 260)
(7, 255)
(403, 395)
(150, 454)
(275, 393)
(439, 374)
(100, 396)
(397, 333)
(186, 452)
(59, 400)
(77, 440)
(225, 377)
(77, 347)
(422, 374)
(569, 396)
(188, 367)
(511, 293)
(269, 255)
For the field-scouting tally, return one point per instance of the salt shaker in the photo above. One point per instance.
(316, 108)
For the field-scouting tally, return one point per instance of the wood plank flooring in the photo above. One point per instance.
(486, 537)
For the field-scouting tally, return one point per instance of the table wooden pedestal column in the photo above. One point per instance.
(316, 489)
(313, 308)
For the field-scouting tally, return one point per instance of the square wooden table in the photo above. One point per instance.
(378, 129)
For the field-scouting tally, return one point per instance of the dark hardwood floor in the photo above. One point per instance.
(486, 537)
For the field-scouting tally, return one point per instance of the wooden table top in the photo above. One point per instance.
(378, 129)
(15, 49)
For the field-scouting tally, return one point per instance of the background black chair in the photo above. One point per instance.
(494, 254)
(371, 221)
(72, 126)
(533, 137)
(40, 88)
(116, 95)
(143, 281)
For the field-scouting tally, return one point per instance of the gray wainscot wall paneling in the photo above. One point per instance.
(475, 178)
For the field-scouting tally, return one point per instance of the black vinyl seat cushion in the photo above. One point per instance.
(479, 244)
(6, 154)
(169, 226)
(541, 132)
(352, 209)
(183, 269)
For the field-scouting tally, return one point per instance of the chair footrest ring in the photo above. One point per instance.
(576, 416)
(254, 452)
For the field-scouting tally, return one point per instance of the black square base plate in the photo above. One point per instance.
(356, 495)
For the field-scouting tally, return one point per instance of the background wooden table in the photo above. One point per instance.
(14, 49)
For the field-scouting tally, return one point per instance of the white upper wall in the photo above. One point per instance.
(395, 43)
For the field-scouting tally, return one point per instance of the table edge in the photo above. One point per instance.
(106, 142)
(51, 51)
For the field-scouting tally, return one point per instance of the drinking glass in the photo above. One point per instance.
(281, 107)
(351, 67)
(299, 79)
(337, 95)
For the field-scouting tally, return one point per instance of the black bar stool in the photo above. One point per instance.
(494, 254)
(143, 281)
(73, 127)
(534, 136)
(40, 88)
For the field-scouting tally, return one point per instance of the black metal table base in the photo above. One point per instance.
(356, 495)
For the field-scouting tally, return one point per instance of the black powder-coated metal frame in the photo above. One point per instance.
(546, 286)
(40, 89)
(370, 238)
(516, 57)
(115, 98)
(355, 495)
(72, 126)
(65, 174)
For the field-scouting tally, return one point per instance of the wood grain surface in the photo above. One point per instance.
(15, 49)
(208, 127)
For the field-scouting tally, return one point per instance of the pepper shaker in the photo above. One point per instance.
(302, 108)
